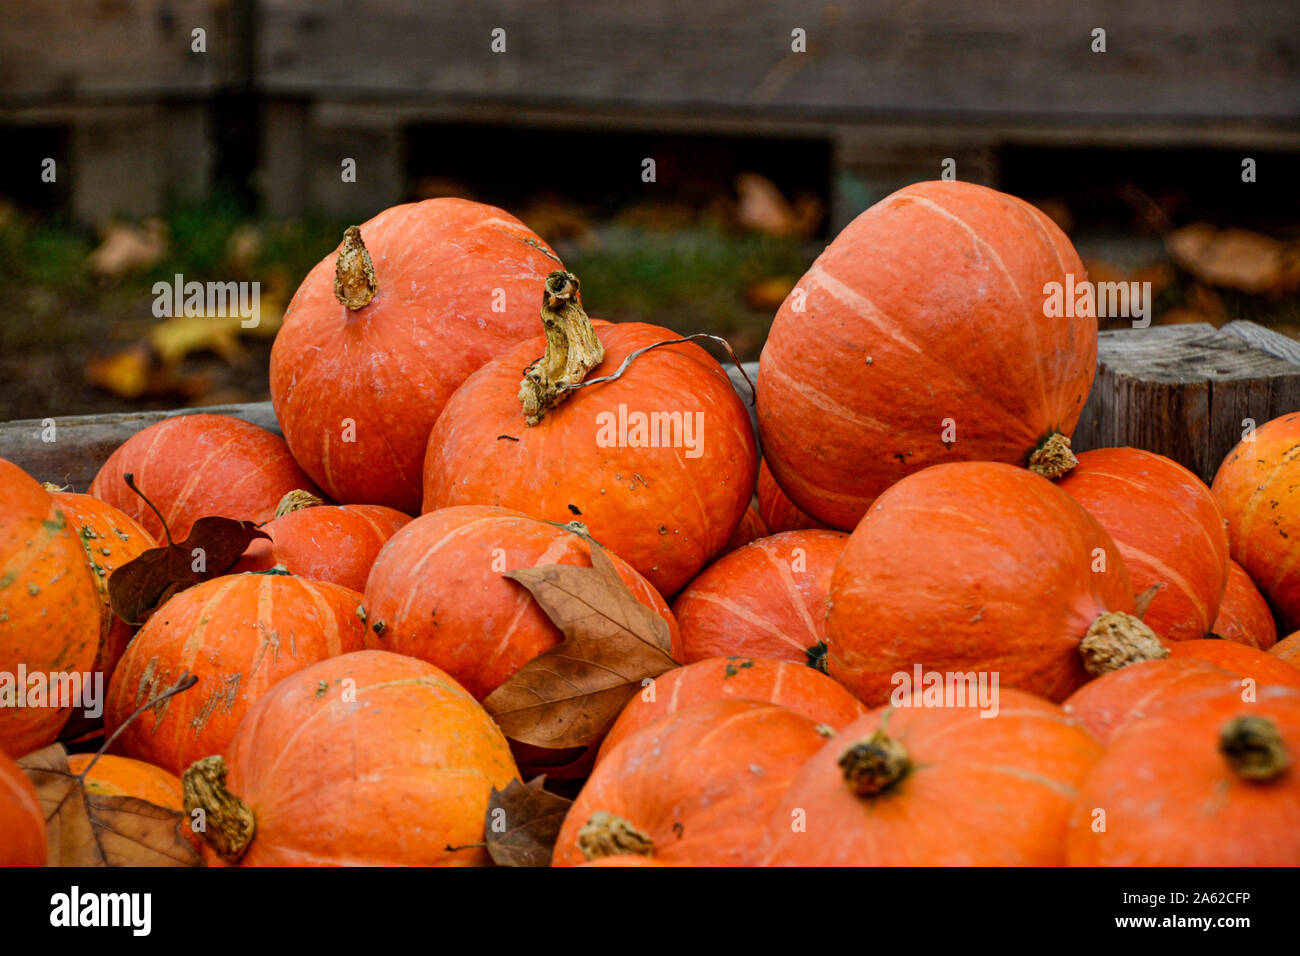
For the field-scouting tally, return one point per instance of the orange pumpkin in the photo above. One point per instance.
(1244, 616)
(1288, 649)
(438, 592)
(239, 634)
(658, 463)
(795, 687)
(191, 466)
(980, 566)
(335, 543)
(937, 786)
(1168, 528)
(922, 335)
(693, 789)
(1107, 704)
(1209, 780)
(1245, 661)
(21, 820)
(1258, 489)
(367, 759)
(767, 599)
(363, 366)
(113, 776)
(778, 511)
(751, 528)
(50, 613)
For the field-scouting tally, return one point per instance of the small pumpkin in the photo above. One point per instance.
(981, 566)
(114, 776)
(21, 820)
(1288, 649)
(190, 466)
(922, 335)
(792, 686)
(658, 463)
(239, 634)
(366, 759)
(693, 789)
(1258, 489)
(334, 543)
(767, 599)
(382, 331)
(1169, 529)
(1209, 780)
(937, 786)
(777, 510)
(438, 592)
(1244, 615)
(751, 528)
(1108, 703)
(50, 612)
(1245, 661)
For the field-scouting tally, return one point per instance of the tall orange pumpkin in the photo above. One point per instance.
(693, 789)
(1169, 529)
(191, 466)
(1258, 489)
(1210, 780)
(980, 566)
(1240, 659)
(924, 334)
(438, 592)
(238, 634)
(1244, 615)
(767, 599)
(658, 463)
(778, 511)
(367, 759)
(21, 820)
(49, 611)
(381, 332)
(1107, 704)
(937, 786)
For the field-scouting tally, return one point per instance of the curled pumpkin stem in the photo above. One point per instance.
(1254, 748)
(873, 765)
(296, 501)
(1117, 639)
(1053, 457)
(354, 274)
(606, 834)
(572, 348)
(228, 822)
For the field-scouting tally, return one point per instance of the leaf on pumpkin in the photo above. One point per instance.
(90, 829)
(1142, 602)
(569, 696)
(142, 585)
(531, 817)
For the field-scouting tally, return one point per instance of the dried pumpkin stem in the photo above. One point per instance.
(354, 274)
(873, 765)
(229, 823)
(1053, 457)
(296, 501)
(572, 348)
(606, 834)
(1254, 748)
(1117, 639)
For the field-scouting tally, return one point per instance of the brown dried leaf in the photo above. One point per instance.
(569, 696)
(1143, 601)
(89, 829)
(1229, 258)
(143, 585)
(532, 817)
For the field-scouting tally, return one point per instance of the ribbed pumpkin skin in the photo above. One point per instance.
(993, 791)
(1288, 649)
(392, 777)
(767, 599)
(238, 634)
(929, 306)
(971, 566)
(1244, 615)
(192, 466)
(335, 543)
(110, 539)
(1245, 661)
(21, 819)
(1258, 489)
(662, 512)
(701, 783)
(49, 606)
(1168, 528)
(445, 268)
(1105, 705)
(778, 511)
(438, 592)
(796, 687)
(1172, 800)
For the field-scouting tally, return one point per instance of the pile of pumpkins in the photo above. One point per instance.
(918, 524)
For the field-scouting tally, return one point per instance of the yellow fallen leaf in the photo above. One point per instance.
(125, 374)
